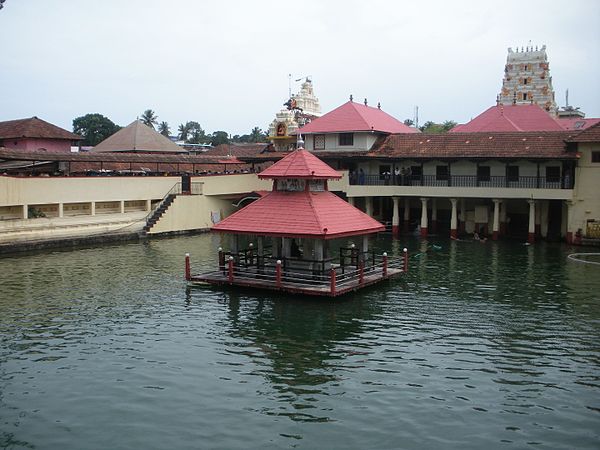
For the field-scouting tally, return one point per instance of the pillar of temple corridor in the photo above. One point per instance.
(462, 216)
(395, 217)
(406, 215)
(369, 206)
(502, 230)
(496, 221)
(424, 226)
(531, 230)
(453, 220)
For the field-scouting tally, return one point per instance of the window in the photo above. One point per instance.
(552, 174)
(596, 157)
(524, 80)
(346, 138)
(416, 172)
(483, 173)
(524, 95)
(512, 173)
(319, 142)
(441, 173)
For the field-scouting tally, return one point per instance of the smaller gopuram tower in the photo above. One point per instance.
(299, 110)
(527, 79)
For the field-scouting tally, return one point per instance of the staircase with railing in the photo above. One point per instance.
(154, 216)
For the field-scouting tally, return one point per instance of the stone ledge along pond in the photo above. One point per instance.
(492, 345)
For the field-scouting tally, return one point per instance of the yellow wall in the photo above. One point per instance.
(586, 201)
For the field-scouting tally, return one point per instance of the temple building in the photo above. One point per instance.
(36, 135)
(299, 110)
(527, 79)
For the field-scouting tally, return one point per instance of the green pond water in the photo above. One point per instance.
(492, 345)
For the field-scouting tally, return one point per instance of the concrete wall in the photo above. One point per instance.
(586, 199)
(192, 212)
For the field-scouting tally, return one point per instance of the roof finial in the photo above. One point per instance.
(497, 99)
(365, 102)
(378, 105)
(300, 142)
(351, 99)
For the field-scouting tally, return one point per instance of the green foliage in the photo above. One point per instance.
(432, 127)
(196, 134)
(256, 135)
(94, 128)
(149, 118)
(219, 137)
(163, 128)
(183, 132)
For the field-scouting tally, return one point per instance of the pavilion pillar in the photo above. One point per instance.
(424, 226)
(406, 215)
(61, 210)
(502, 230)
(463, 216)
(531, 230)
(122, 206)
(395, 217)
(496, 222)
(351, 200)
(25, 212)
(434, 215)
(148, 205)
(453, 219)
(92, 208)
(369, 206)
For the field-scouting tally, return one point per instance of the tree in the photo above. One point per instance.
(257, 135)
(432, 127)
(94, 128)
(149, 118)
(163, 128)
(196, 134)
(408, 122)
(183, 132)
(219, 137)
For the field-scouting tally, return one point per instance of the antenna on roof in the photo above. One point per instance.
(351, 99)
(416, 116)
(567, 99)
(378, 105)
(365, 102)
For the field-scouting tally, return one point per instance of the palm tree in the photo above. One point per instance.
(149, 118)
(183, 132)
(163, 128)
(256, 135)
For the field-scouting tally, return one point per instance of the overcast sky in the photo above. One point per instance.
(225, 63)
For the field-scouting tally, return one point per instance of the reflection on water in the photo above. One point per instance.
(480, 345)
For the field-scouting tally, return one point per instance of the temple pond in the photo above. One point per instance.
(492, 345)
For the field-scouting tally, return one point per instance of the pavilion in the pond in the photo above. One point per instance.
(300, 237)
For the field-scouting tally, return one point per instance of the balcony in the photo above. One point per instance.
(466, 181)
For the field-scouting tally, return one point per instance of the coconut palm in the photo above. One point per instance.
(183, 132)
(163, 128)
(256, 135)
(149, 118)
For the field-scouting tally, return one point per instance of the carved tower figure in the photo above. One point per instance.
(527, 79)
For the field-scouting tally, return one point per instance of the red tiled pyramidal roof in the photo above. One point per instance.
(510, 118)
(300, 164)
(34, 128)
(356, 117)
(300, 214)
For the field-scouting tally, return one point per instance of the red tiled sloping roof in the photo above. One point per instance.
(591, 134)
(356, 117)
(34, 128)
(239, 150)
(300, 214)
(577, 123)
(546, 144)
(300, 164)
(510, 118)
